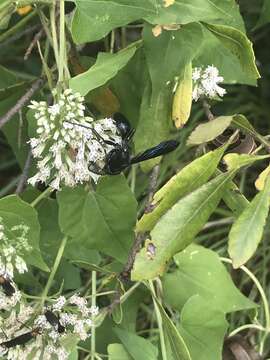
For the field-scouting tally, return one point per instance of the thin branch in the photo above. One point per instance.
(33, 43)
(24, 176)
(207, 110)
(21, 102)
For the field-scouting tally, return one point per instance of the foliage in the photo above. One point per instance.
(172, 251)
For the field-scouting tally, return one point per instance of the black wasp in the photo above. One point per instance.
(54, 321)
(7, 286)
(21, 339)
(119, 158)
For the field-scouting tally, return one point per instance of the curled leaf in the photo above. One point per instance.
(260, 182)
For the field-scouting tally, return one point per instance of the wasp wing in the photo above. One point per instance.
(161, 149)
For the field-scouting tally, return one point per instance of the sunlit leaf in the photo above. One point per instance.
(178, 227)
(247, 231)
(200, 272)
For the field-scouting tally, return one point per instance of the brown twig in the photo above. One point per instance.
(33, 43)
(141, 236)
(22, 101)
(207, 110)
(23, 178)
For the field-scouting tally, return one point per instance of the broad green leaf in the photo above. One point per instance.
(15, 211)
(102, 219)
(264, 15)
(200, 272)
(238, 43)
(104, 69)
(187, 180)
(247, 231)
(209, 131)
(242, 123)
(235, 161)
(118, 352)
(187, 11)
(178, 347)
(178, 49)
(153, 124)
(104, 16)
(215, 53)
(203, 329)
(182, 99)
(6, 11)
(178, 227)
(138, 347)
(260, 181)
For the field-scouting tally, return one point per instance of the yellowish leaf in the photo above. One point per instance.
(168, 3)
(260, 182)
(157, 30)
(182, 100)
(24, 10)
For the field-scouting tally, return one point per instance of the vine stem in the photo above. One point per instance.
(54, 34)
(159, 322)
(263, 296)
(62, 41)
(43, 195)
(247, 326)
(54, 269)
(93, 303)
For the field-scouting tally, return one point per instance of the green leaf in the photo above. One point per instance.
(15, 211)
(237, 42)
(178, 227)
(234, 199)
(235, 161)
(165, 65)
(200, 272)
(103, 219)
(118, 352)
(187, 180)
(153, 125)
(104, 16)
(104, 69)
(203, 329)
(187, 11)
(247, 231)
(138, 347)
(210, 130)
(178, 347)
(7, 77)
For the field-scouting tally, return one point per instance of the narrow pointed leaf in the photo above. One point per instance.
(235, 161)
(178, 227)
(247, 231)
(104, 69)
(188, 179)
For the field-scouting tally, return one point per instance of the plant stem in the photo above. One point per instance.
(54, 34)
(159, 322)
(93, 303)
(247, 326)
(43, 195)
(62, 41)
(54, 269)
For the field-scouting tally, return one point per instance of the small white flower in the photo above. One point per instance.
(205, 83)
(59, 304)
(94, 310)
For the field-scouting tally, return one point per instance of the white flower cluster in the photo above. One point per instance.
(74, 322)
(13, 245)
(68, 142)
(205, 83)
(73, 315)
